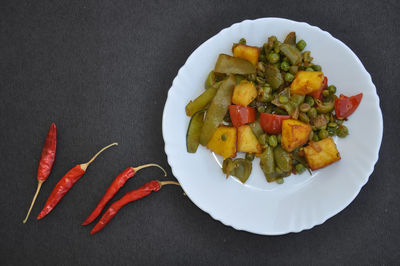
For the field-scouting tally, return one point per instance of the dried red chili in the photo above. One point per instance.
(66, 183)
(133, 195)
(46, 162)
(115, 186)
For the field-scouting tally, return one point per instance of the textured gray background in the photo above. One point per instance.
(101, 71)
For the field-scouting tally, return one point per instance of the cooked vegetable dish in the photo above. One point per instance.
(270, 102)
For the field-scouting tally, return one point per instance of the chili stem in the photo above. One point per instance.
(85, 165)
(40, 183)
(163, 183)
(149, 165)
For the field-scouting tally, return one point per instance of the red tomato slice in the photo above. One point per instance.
(272, 123)
(241, 115)
(345, 106)
(317, 94)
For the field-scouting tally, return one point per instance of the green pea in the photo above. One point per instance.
(301, 45)
(300, 168)
(283, 99)
(332, 124)
(322, 127)
(264, 94)
(305, 107)
(261, 109)
(242, 41)
(325, 93)
(315, 137)
(263, 138)
(310, 100)
(323, 133)
(331, 131)
(280, 181)
(304, 118)
(317, 67)
(272, 141)
(309, 69)
(312, 113)
(289, 77)
(273, 58)
(285, 66)
(342, 131)
(250, 156)
(279, 138)
(332, 89)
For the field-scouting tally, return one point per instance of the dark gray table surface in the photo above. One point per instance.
(101, 71)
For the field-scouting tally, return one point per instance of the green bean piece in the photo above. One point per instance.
(280, 181)
(279, 138)
(293, 70)
(323, 133)
(273, 76)
(304, 118)
(260, 80)
(233, 65)
(239, 78)
(325, 107)
(263, 139)
(193, 132)
(307, 58)
(201, 101)
(277, 46)
(267, 164)
(217, 110)
(250, 156)
(260, 66)
(241, 168)
(301, 45)
(332, 89)
(317, 67)
(309, 69)
(289, 77)
(285, 66)
(273, 58)
(342, 131)
(210, 80)
(291, 53)
(310, 100)
(242, 41)
(282, 159)
(311, 135)
(272, 141)
(312, 113)
(283, 99)
(256, 128)
(291, 38)
(305, 107)
(264, 94)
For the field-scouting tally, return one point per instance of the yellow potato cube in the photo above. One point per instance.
(247, 141)
(244, 93)
(223, 142)
(294, 134)
(250, 53)
(306, 82)
(322, 153)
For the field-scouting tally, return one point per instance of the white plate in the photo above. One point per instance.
(303, 201)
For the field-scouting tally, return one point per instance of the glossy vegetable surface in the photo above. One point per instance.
(241, 115)
(272, 123)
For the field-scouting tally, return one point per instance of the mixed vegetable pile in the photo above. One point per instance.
(272, 102)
